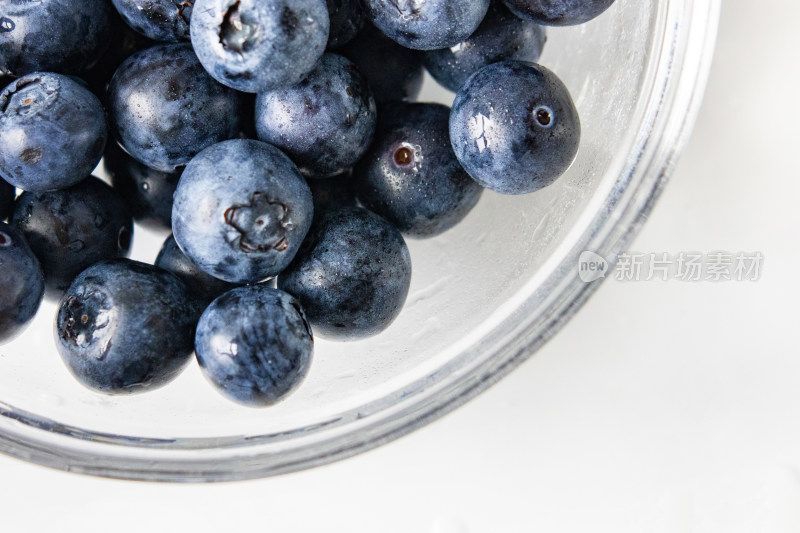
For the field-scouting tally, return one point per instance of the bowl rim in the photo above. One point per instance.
(669, 112)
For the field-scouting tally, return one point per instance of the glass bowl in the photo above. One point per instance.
(484, 297)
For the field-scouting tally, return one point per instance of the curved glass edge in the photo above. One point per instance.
(687, 52)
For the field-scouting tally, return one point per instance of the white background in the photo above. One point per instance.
(660, 407)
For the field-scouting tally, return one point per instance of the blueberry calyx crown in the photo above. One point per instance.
(261, 225)
(26, 96)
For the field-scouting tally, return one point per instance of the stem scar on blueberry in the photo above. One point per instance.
(234, 33)
(543, 116)
(5, 102)
(403, 156)
(5, 240)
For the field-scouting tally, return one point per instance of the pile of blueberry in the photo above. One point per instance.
(277, 139)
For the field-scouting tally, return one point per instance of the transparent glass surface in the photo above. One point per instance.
(484, 297)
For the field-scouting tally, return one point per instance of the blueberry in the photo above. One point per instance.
(124, 43)
(204, 286)
(558, 12)
(66, 36)
(347, 19)
(352, 275)
(514, 127)
(411, 176)
(332, 193)
(52, 132)
(165, 108)
(325, 123)
(71, 229)
(393, 72)
(160, 20)
(7, 194)
(427, 24)
(259, 45)
(125, 327)
(500, 36)
(241, 211)
(147, 192)
(21, 283)
(255, 345)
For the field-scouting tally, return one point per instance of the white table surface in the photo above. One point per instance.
(660, 407)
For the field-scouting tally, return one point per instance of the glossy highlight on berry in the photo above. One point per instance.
(64, 36)
(514, 127)
(165, 109)
(241, 211)
(352, 275)
(259, 45)
(21, 283)
(71, 229)
(325, 123)
(559, 12)
(112, 343)
(52, 132)
(254, 345)
(501, 36)
(411, 176)
(426, 24)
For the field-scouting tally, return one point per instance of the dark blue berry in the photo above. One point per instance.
(21, 283)
(332, 193)
(7, 194)
(52, 132)
(160, 20)
(204, 286)
(125, 327)
(347, 19)
(411, 176)
(325, 123)
(558, 12)
(66, 36)
(393, 72)
(148, 193)
(514, 127)
(241, 211)
(72, 229)
(255, 345)
(500, 36)
(165, 108)
(124, 43)
(352, 275)
(259, 45)
(427, 24)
